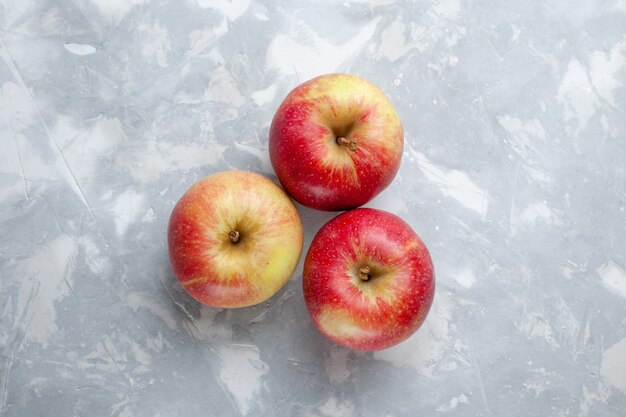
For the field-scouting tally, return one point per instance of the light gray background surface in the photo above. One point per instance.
(513, 174)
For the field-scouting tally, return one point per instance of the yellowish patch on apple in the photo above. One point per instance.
(279, 263)
(340, 324)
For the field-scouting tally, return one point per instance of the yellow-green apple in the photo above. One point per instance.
(234, 239)
(368, 280)
(335, 142)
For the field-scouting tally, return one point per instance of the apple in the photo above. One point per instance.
(335, 142)
(368, 280)
(234, 239)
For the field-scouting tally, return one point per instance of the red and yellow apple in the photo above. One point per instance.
(368, 280)
(234, 239)
(335, 142)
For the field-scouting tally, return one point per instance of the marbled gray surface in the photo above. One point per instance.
(513, 174)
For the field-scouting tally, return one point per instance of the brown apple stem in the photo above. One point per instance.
(233, 236)
(365, 273)
(352, 145)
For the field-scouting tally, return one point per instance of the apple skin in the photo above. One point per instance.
(312, 166)
(206, 262)
(392, 304)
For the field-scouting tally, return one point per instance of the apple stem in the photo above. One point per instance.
(365, 273)
(233, 236)
(352, 145)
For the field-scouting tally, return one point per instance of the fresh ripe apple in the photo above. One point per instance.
(335, 142)
(234, 239)
(368, 280)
